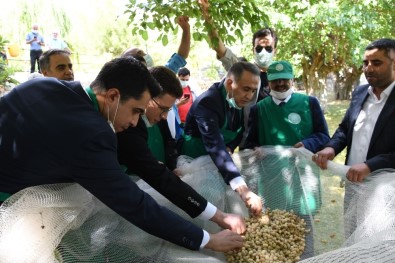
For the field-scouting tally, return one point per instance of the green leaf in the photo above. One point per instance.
(165, 40)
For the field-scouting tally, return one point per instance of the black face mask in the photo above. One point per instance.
(259, 49)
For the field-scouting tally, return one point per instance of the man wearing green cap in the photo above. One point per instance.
(297, 115)
(294, 120)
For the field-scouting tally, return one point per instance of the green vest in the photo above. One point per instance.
(288, 124)
(155, 143)
(194, 146)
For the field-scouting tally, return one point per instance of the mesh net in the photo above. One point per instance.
(65, 223)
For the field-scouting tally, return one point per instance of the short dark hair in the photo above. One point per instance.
(386, 44)
(129, 76)
(184, 72)
(168, 80)
(44, 58)
(237, 69)
(263, 32)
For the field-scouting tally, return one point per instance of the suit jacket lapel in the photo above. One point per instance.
(360, 99)
(387, 112)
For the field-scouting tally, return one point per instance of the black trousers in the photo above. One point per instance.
(34, 55)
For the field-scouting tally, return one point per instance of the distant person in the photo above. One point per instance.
(56, 63)
(36, 42)
(57, 43)
(3, 56)
(188, 95)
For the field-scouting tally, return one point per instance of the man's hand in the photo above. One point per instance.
(299, 145)
(358, 172)
(177, 172)
(224, 241)
(232, 222)
(321, 158)
(183, 22)
(252, 201)
(183, 101)
(185, 44)
(204, 5)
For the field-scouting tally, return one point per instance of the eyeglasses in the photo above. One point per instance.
(164, 109)
(259, 49)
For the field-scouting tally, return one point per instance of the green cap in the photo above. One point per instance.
(280, 70)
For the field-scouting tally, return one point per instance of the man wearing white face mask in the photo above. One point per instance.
(188, 94)
(297, 115)
(214, 126)
(289, 119)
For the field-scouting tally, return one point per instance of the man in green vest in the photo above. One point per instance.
(295, 120)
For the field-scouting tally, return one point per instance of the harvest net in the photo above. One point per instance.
(65, 223)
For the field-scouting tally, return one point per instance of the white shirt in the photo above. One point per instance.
(365, 123)
(56, 43)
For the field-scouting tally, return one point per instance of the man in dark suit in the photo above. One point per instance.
(367, 129)
(146, 160)
(58, 132)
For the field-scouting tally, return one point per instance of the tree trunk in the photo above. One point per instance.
(346, 80)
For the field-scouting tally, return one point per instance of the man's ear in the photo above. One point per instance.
(112, 95)
(44, 72)
(228, 84)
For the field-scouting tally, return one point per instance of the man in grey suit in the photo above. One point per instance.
(368, 126)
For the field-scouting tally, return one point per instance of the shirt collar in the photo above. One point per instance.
(386, 92)
(277, 101)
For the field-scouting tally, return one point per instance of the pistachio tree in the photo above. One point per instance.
(321, 37)
(231, 18)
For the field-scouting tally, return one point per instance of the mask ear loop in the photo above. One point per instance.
(108, 115)
(116, 111)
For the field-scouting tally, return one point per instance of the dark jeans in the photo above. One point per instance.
(34, 55)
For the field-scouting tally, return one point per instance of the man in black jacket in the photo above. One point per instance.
(134, 152)
(58, 132)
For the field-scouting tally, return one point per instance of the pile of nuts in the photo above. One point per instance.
(277, 236)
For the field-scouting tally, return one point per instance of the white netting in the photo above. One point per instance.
(65, 223)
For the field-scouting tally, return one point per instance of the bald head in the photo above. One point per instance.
(133, 51)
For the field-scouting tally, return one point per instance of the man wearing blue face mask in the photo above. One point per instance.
(264, 44)
(214, 126)
(36, 41)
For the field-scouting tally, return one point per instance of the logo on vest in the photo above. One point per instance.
(294, 118)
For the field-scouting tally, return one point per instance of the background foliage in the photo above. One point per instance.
(318, 37)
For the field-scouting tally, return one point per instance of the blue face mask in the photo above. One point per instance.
(232, 102)
(146, 121)
(148, 60)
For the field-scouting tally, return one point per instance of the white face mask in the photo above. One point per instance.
(148, 60)
(264, 58)
(108, 116)
(146, 121)
(184, 83)
(35, 31)
(281, 95)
